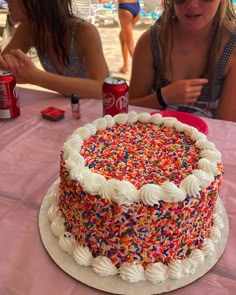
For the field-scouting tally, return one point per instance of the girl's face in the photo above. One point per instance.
(196, 14)
(16, 10)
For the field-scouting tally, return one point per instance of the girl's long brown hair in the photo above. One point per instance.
(224, 15)
(49, 19)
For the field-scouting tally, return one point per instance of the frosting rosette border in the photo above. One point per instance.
(125, 192)
(132, 272)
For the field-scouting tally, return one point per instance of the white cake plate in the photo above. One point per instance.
(114, 284)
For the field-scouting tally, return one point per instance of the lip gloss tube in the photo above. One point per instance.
(75, 106)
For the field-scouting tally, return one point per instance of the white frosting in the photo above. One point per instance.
(176, 269)
(67, 242)
(169, 122)
(100, 124)
(208, 166)
(132, 117)
(57, 226)
(78, 172)
(208, 247)
(150, 194)
(103, 266)
(172, 193)
(124, 192)
(82, 255)
(198, 136)
(219, 208)
(110, 120)
(92, 182)
(156, 119)
(74, 160)
(53, 212)
(72, 145)
(144, 117)
(133, 272)
(92, 129)
(204, 143)
(54, 196)
(205, 179)
(84, 132)
(121, 119)
(215, 234)
(190, 131)
(156, 272)
(187, 266)
(218, 221)
(191, 184)
(211, 155)
(197, 257)
(180, 127)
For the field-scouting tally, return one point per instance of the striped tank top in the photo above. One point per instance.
(76, 66)
(202, 107)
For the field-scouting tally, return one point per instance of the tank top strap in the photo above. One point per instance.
(155, 47)
(225, 55)
(72, 45)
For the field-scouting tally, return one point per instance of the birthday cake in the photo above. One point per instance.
(138, 197)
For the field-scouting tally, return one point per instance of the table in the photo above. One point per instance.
(29, 164)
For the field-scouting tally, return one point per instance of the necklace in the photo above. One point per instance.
(187, 51)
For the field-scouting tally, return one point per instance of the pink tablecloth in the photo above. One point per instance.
(29, 164)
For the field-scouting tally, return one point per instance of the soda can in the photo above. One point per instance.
(115, 96)
(9, 103)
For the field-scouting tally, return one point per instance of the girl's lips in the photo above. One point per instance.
(192, 16)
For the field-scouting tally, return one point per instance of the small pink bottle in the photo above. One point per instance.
(75, 106)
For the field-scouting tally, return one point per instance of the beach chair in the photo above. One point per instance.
(150, 10)
(84, 9)
(107, 13)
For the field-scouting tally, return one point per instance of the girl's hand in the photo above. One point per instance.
(20, 65)
(11, 63)
(183, 91)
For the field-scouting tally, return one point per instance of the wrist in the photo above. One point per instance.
(161, 99)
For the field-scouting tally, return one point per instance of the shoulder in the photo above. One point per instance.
(86, 31)
(143, 52)
(143, 46)
(145, 39)
(87, 38)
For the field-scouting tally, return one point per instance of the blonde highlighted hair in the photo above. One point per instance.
(225, 15)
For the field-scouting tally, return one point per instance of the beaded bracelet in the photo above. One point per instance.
(160, 98)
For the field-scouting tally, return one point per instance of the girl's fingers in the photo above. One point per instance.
(20, 55)
(195, 82)
(12, 63)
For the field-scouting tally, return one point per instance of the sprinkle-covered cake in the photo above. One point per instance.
(138, 197)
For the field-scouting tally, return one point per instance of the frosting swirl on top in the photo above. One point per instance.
(123, 191)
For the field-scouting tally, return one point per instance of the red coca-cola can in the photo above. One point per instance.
(9, 104)
(115, 96)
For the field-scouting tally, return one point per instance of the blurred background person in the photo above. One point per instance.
(129, 15)
(69, 49)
